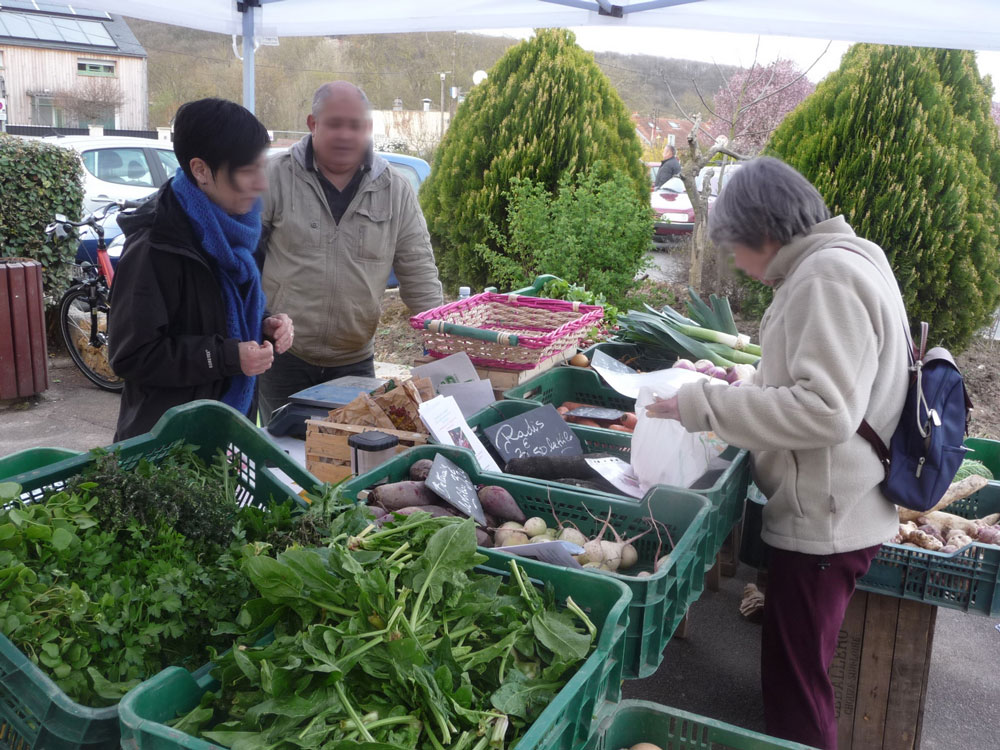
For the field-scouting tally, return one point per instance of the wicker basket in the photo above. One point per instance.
(506, 331)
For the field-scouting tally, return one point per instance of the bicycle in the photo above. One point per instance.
(85, 307)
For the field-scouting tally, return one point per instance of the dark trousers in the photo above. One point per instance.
(289, 375)
(804, 607)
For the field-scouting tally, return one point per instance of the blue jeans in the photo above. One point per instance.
(289, 375)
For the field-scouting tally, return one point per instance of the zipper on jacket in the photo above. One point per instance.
(920, 466)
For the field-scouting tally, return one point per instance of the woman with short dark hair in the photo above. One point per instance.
(835, 352)
(187, 311)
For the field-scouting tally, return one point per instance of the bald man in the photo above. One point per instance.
(336, 221)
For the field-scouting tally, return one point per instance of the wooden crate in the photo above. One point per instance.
(879, 672)
(503, 380)
(328, 456)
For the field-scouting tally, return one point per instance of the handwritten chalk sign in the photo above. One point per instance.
(596, 412)
(451, 483)
(539, 432)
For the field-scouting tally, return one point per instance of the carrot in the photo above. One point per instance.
(563, 409)
(630, 420)
(571, 405)
(620, 428)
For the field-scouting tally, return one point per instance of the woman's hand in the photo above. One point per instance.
(664, 408)
(278, 328)
(255, 358)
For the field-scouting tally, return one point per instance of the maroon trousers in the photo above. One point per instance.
(804, 607)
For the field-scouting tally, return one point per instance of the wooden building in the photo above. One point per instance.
(63, 66)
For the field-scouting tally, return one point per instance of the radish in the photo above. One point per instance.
(739, 373)
(594, 551)
(510, 538)
(704, 365)
(569, 534)
(534, 526)
(630, 556)
(685, 364)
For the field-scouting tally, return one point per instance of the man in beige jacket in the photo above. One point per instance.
(834, 345)
(337, 219)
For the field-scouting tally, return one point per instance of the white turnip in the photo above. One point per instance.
(534, 526)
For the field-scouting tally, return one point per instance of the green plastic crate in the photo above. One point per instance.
(968, 580)
(565, 724)
(638, 358)
(34, 712)
(659, 601)
(727, 494)
(631, 722)
(32, 459)
(987, 451)
(561, 384)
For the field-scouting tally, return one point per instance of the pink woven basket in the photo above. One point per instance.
(506, 331)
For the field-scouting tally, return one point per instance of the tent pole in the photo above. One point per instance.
(248, 54)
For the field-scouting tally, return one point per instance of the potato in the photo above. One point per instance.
(534, 526)
(510, 538)
(579, 360)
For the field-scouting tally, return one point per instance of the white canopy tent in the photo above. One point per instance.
(964, 24)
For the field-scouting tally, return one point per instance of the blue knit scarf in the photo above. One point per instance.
(230, 242)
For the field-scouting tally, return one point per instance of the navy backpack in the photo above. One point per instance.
(927, 447)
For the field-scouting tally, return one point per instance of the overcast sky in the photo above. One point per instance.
(726, 48)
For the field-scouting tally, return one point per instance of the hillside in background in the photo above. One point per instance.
(185, 64)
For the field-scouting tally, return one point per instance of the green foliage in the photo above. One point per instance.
(592, 232)
(390, 639)
(898, 141)
(546, 113)
(37, 181)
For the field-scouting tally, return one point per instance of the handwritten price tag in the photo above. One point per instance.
(452, 484)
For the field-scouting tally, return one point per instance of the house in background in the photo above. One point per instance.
(662, 130)
(62, 66)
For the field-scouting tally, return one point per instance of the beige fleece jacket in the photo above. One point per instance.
(834, 351)
(329, 277)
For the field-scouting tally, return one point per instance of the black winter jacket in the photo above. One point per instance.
(669, 168)
(167, 328)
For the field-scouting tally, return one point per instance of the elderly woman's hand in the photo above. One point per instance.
(664, 408)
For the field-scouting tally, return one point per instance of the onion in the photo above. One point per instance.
(704, 365)
(741, 372)
(685, 364)
(716, 372)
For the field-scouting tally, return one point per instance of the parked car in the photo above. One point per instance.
(119, 168)
(674, 214)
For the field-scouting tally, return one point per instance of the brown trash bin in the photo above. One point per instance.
(24, 365)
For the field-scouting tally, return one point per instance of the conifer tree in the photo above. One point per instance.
(545, 111)
(893, 140)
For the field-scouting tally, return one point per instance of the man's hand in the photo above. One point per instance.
(255, 358)
(664, 408)
(278, 328)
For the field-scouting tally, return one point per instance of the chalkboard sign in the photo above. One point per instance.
(539, 432)
(452, 484)
(596, 412)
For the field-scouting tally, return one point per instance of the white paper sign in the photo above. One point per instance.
(455, 368)
(471, 397)
(447, 426)
(619, 473)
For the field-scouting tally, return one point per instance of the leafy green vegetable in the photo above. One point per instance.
(420, 651)
(99, 586)
(972, 467)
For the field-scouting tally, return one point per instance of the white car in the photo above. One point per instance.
(119, 168)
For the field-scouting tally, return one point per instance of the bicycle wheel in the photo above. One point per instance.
(83, 319)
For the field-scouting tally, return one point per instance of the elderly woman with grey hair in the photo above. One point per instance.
(834, 348)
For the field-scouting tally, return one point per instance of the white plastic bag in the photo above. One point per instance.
(663, 452)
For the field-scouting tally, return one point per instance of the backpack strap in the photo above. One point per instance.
(916, 354)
